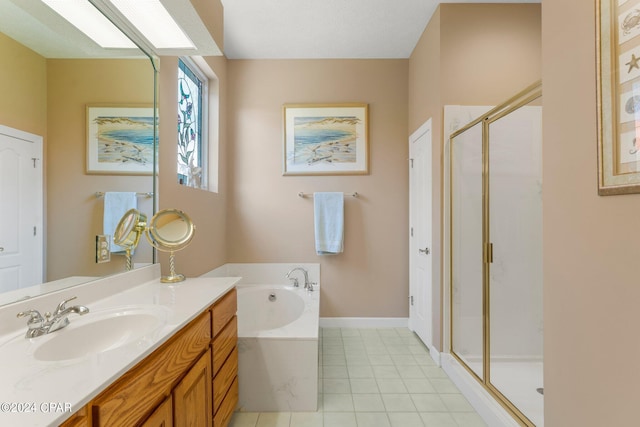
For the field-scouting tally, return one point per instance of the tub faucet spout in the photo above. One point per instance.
(307, 285)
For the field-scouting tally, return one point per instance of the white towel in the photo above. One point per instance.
(328, 222)
(116, 204)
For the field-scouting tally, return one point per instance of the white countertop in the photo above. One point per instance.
(39, 393)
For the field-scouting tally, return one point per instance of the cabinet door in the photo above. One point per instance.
(162, 416)
(79, 419)
(192, 398)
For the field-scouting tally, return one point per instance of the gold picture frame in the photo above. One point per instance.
(326, 139)
(618, 86)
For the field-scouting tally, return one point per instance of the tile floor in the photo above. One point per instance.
(375, 378)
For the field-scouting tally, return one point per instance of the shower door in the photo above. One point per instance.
(466, 244)
(515, 280)
(496, 253)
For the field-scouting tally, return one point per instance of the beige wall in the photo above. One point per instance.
(212, 13)
(270, 223)
(489, 52)
(74, 214)
(469, 54)
(591, 290)
(207, 209)
(23, 85)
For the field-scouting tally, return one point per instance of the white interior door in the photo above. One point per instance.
(21, 233)
(420, 259)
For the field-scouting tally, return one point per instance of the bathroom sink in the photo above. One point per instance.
(99, 331)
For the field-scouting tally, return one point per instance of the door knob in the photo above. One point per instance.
(425, 251)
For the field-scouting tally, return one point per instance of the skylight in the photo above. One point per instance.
(154, 22)
(89, 20)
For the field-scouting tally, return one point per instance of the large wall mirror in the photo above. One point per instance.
(51, 72)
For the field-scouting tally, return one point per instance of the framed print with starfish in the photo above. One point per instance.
(618, 86)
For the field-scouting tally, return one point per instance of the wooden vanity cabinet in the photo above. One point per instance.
(191, 380)
(81, 418)
(192, 397)
(162, 416)
(224, 358)
(135, 395)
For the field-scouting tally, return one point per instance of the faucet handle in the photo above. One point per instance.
(34, 316)
(62, 305)
(294, 280)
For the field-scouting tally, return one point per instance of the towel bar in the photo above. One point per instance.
(148, 195)
(354, 194)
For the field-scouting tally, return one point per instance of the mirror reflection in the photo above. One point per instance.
(51, 73)
(128, 231)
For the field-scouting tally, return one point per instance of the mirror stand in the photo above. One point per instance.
(172, 277)
(128, 265)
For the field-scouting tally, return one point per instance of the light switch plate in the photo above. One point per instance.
(103, 254)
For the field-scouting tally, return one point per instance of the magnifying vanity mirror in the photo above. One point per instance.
(169, 230)
(128, 231)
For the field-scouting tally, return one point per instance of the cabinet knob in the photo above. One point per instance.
(425, 251)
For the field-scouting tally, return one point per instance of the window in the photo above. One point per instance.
(192, 125)
(198, 116)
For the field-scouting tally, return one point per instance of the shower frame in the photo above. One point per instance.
(519, 100)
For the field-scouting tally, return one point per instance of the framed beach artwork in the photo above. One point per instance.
(326, 139)
(618, 74)
(120, 140)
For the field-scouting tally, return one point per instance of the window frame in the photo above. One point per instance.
(204, 125)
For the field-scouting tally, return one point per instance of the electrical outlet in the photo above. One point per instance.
(103, 254)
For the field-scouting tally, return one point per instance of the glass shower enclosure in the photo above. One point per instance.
(496, 253)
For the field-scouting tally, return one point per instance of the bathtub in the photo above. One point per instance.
(278, 330)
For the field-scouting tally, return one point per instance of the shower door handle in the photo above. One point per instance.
(425, 251)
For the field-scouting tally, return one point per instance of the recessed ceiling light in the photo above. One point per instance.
(91, 21)
(154, 22)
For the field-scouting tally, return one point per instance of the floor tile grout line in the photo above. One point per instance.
(375, 379)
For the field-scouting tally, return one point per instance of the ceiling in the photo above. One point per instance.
(38, 27)
(287, 29)
(253, 29)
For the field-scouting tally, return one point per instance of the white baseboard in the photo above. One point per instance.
(435, 355)
(364, 322)
(487, 407)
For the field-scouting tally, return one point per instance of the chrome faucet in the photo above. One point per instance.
(37, 325)
(307, 285)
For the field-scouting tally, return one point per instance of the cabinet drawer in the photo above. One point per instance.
(224, 379)
(224, 343)
(224, 310)
(133, 397)
(223, 416)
